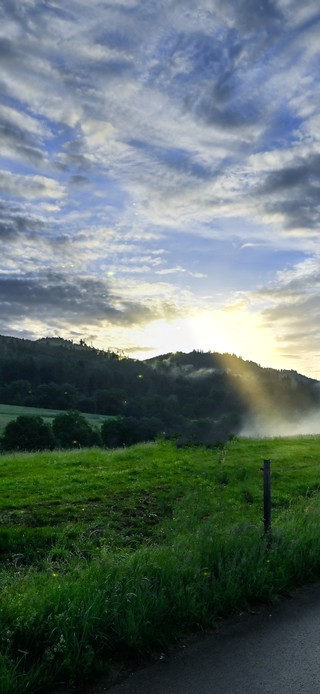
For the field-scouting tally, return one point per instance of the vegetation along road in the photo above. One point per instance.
(273, 651)
(110, 556)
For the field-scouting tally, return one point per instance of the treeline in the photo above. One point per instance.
(72, 430)
(191, 395)
(56, 374)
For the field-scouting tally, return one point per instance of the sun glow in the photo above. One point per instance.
(232, 331)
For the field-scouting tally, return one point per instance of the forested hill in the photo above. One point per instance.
(182, 393)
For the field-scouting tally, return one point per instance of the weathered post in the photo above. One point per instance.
(267, 496)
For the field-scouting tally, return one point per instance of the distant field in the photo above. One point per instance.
(8, 412)
(122, 552)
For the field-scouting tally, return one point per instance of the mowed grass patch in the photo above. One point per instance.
(93, 498)
(9, 412)
(109, 553)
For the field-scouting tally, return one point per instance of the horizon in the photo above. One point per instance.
(159, 177)
(159, 354)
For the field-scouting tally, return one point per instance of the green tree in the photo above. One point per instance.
(120, 431)
(27, 433)
(113, 432)
(56, 396)
(149, 428)
(71, 430)
(110, 401)
(16, 392)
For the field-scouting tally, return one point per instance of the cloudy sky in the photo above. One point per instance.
(159, 175)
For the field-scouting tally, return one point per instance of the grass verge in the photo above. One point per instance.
(64, 617)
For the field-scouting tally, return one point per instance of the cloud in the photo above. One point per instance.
(22, 137)
(290, 306)
(292, 191)
(190, 84)
(57, 297)
(16, 222)
(130, 124)
(179, 269)
(30, 187)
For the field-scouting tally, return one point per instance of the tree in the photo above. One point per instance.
(148, 428)
(56, 396)
(27, 433)
(16, 392)
(120, 431)
(71, 430)
(110, 401)
(113, 432)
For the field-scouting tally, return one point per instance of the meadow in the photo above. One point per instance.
(9, 412)
(106, 555)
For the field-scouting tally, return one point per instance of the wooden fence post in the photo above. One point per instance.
(267, 496)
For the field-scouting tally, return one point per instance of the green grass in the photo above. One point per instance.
(112, 553)
(9, 412)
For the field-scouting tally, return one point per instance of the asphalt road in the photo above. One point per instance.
(273, 651)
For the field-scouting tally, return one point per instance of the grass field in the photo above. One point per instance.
(105, 554)
(9, 412)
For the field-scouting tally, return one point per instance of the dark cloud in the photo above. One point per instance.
(301, 312)
(293, 191)
(294, 315)
(72, 299)
(290, 308)
(206, 108)
(7, 49)
(174, 158)
(15, 222)
(72, 158)
(303, 173)
(300, 213)
(20, 142)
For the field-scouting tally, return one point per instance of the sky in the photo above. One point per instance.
(159, 176)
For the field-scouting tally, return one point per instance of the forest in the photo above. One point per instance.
(197, 397)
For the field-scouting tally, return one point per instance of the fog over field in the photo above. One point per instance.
(266, 426)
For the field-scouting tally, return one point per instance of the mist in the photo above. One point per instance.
(262, 426)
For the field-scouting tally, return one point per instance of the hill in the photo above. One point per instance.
(195, 395)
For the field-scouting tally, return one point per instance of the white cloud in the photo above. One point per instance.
(129, 125)
(30, 187)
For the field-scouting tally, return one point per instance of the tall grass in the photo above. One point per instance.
(63, 620)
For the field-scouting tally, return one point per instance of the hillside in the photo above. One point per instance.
(193, 395)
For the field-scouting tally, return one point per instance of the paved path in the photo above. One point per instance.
(275, 651)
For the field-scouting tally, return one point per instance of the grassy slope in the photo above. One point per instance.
(9, 412)
(132, 547)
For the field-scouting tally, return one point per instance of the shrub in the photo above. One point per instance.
(113, 432)
(27, 433)
(71, 429)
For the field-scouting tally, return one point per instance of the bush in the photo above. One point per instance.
(114, 432)
(71, 429)
(27, 433)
